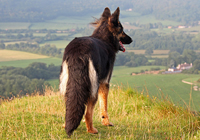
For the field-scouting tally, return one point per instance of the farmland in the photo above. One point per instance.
(81, 22)
(159, 85)
(25, 63)
(156, 85)
(141, 106)
(8, 55)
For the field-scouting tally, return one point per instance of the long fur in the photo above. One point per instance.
(87, 62)
(77, 91)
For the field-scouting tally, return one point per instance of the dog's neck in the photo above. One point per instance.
(105, 35)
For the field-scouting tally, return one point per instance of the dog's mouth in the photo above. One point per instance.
(122, 48)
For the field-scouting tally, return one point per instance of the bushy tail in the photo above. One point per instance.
(77, 93)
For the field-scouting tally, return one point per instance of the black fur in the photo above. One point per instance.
(101, 48)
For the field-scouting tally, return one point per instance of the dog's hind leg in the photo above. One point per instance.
(103, 95)
(88, 116)
(92, 100)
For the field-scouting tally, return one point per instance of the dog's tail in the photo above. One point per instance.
(77, 93)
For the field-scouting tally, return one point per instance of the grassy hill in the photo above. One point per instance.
(135, 116)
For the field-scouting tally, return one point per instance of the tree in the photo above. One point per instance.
(171, 63)
(2, 46)
(189, 56)
(173, 59)
(196, 64)
(149, 51)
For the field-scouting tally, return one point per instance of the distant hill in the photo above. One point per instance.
(185, 11)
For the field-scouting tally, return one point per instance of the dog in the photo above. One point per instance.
(87, 68)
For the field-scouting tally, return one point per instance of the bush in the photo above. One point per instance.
(156, 68)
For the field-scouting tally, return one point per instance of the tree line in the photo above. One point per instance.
(16, 81)
(185, 11)
(30, 38)
(130, 59)
(133, 60)
(143, 39)
(188, 56)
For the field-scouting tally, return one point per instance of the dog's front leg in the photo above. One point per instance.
(103, 95)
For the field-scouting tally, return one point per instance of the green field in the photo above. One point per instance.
(127, 16)
(25, 63)
(155, 85)
(63, 23)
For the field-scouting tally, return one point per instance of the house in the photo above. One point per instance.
(172, 69)
(179, 68)
(184, 66)
(181, 27)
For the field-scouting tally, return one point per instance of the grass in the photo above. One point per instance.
(54, 83)
(120, 71)
(9, 55)
(193, 80)
(134, 115)
(25, 63)
(170, 85)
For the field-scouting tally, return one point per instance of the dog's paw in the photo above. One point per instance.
(92, 131)
(106, 122)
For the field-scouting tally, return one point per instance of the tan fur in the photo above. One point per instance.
(88, 117)
(103, 95)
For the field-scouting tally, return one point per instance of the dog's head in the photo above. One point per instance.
(114, 26)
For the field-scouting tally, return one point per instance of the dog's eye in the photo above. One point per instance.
(120, 30)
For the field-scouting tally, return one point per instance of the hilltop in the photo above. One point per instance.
(134, 115)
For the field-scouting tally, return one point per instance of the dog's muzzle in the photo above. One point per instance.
(122, 48)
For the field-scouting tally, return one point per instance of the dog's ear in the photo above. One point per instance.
(114, 19)
(106, 13)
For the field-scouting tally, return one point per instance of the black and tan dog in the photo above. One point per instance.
(87, 68)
